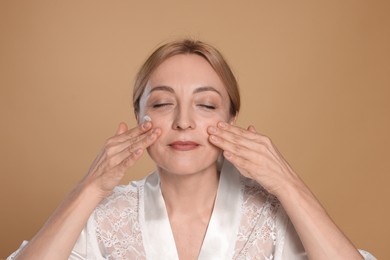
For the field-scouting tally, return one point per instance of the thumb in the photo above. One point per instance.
(121, 128)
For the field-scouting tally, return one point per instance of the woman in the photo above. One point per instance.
(219, 191)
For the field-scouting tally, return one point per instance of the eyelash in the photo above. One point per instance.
(207, 106)
(211, 107)
(161, 105)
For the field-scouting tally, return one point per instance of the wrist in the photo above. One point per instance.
(92, 189)
(292, 189)
(88, 194)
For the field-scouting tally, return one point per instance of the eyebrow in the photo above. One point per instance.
(197, 90)
(162, 88)
(206, 88)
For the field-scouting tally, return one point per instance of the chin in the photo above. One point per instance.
(185, 165)
(183, 170)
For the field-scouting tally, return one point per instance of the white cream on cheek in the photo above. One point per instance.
(146, 118)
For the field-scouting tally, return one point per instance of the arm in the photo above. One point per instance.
(57, 237)
(256, 157)
(320, 236)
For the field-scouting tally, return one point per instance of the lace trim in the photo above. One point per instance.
(119, 236)
(118, 231)
(256, 238)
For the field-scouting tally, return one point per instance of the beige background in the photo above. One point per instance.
(314, 76)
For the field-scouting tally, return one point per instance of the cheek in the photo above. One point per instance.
(212, 119)
(161, 122)
(164, 124)
(201, 119)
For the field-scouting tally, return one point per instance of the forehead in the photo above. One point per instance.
(185, 70)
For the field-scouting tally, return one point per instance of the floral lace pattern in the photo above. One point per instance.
(119, 236)
(114, 232)
(117, 227)
(257, 235)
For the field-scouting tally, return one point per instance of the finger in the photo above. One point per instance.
(131, 160)
(234, 138)
(264, 173)
(252, 151)
(126, 159)
(246, 137)
(237, 130)
(144, 141)
(118, 143)
(128, 134)
(252, 129)
(245, 148)
(141, 128)
(121, 128)
(252, 166)
(128, 150)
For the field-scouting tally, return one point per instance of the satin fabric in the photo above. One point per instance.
(150, 233)
(220, 238)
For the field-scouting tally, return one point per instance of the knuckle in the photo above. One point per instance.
(109, 151)
(135, 139)
(265, 139)
(257, 137)
(242, 163)
(236, 149)
(146, 141)
(111, 163)
(128, 162)
(236, 139)
(242, 131)
(110, 141)
(262, 149)
(131, 155)
(131, 147)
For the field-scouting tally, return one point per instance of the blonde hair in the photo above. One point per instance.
(187, 46)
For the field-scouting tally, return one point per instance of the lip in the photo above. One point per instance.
(184, 145)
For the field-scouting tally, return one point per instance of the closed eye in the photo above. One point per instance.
(207, 106)
(161, 105)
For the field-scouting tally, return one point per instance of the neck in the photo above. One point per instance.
(193, 193)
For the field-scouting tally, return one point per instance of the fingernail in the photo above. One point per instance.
(156, 131)
(138, 151)
(214, 138)
(146, 125)
(227, 154)
(222, 125)
(212, 129)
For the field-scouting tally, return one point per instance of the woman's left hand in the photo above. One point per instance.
(254, 155)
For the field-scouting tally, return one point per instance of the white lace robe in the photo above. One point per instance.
(246, 223)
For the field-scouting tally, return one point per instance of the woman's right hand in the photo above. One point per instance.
(58, 236)
(119, 153)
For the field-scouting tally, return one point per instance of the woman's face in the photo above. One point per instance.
(184, 96)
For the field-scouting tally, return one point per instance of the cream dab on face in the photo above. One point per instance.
(183, 97)
(146, 118)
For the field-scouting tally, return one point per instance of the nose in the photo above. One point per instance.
(183, 119)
